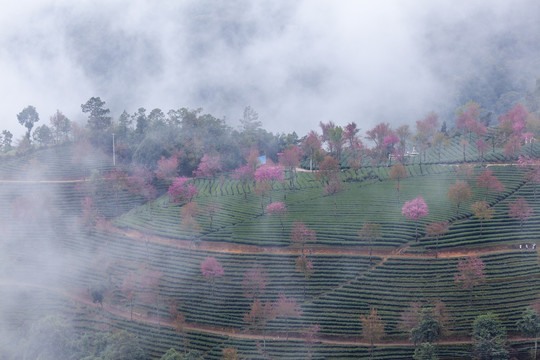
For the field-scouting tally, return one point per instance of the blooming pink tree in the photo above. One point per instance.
(532, 167)
(140, 183)
(167, 168)
(519, 209)
(489, 181)
(278, 209)
(482, 146)
(290, 160)
(301, 235)
(470, 274)
(181, 191)
(286, 308)
(209, 167)
(255, 282)
(267, 175)
(244, 174)
(211, 269)
(414, 210)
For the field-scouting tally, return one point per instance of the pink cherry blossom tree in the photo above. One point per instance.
(267, 175)
(181, 192)
(278, 209)
(286, 308)
(489, 181)
(255, 282)
(301, 235)
(167, 168)
(470, 274)
(414, 210)
(244, 174)
(209, 167)
(211, 269)
(519, 209)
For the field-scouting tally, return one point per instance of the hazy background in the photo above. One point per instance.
(295, 62)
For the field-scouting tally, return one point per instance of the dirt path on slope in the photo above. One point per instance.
(223, 247)
(222, 331)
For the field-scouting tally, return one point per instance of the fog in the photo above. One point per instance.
(296, 63)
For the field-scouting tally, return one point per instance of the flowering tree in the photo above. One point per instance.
(259, 315)
(266, 175)
(372, 328)
(482, 146)
(290, 160)
(181, 192)
(459, 193)
(397, 172)
(139, 183)
(286, 308)
(208, 168)
(301, 235)
(244, 174)
(211, 269)
(255, 282)
(489, 181)
(278, 209)
(436, 230)
(414, 210)
(519, 209)
(189, 219)
(310, 337)
(470, 274)
(532, 173)
(312, 147)
(370, 232)
(482, 211)
(167, 168)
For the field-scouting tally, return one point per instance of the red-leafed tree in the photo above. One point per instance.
(470, 274)
(483, 212)
(410, 318)
(370, 232)
(278, 209)
(377, 135)
(286, 308)
(397, 172)
(414, 210)
(209, 167)
(312, 147)
(181, 191)
(372, 328)
(301, 235)
(211, 269)
(436, 230)
(489, 181)
(310, 337)
(459, 193)
(290, 160)
(167, 168)
(519, 209)
(259, 315)
(255, 282)
(179, 322)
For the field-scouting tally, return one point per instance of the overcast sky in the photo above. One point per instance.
(295, 62)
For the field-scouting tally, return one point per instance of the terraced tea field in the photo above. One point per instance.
(146, 260)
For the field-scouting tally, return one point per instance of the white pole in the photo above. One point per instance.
(113, 151)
